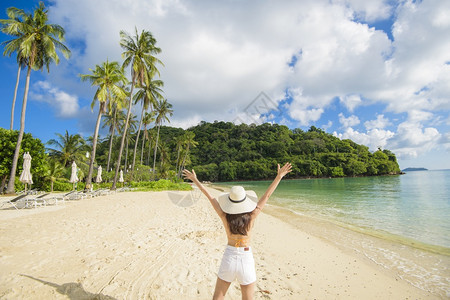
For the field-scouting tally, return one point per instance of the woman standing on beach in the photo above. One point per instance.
(238, 210)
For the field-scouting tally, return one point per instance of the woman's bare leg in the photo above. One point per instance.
(221, 289)
(248, 291)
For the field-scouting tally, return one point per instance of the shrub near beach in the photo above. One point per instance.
(34, 146)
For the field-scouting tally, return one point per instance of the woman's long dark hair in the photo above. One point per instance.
(239, 223)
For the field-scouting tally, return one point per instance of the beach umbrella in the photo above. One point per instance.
(73, 176)
(26, 176)
(121, 176)
(99, 175)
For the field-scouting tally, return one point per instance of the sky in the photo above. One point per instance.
(376, 72)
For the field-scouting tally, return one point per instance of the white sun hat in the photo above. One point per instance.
(238, 201)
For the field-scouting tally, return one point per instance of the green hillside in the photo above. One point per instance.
(226, 152)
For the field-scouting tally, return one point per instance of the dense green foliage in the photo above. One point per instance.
(8, 140)
(228, 152)
(160, 185)
(224, 152)
(219, 151)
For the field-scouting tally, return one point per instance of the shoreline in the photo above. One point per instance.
(160, 245)
(379, 234)
(393, 253)
(407, 241)
(397, 258)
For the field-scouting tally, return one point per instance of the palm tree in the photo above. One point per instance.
(139, 53)
(68, 148)
(114, 120)
(165, 157)
(163, 111)
(10, 26)
(179, 141)
(107, 77)
(188, 141)
(151, 138)
(164, 153)
(131, 130)
(36, 43)
(147, 120)
(54, 172)
(149, 95)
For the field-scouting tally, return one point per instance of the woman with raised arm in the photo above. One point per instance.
(238, 210)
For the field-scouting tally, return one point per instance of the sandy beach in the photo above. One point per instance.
(168, 245)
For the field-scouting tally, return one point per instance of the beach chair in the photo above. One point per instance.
(32, 192)
(17, 202)
(62, 198)
(75, 196)
(36, 201)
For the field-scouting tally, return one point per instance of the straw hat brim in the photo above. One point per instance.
(248, 205)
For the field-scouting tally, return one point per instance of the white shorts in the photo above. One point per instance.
(238, 263)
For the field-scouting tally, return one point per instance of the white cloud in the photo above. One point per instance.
(412, 140)
(351, 101)
(369, 10)
(219, 56)
(419, 116)
(304, 109)
(64, 104)
(379, 123)
(348, 122)
(224, 53)
(418, 66)
(373, 139)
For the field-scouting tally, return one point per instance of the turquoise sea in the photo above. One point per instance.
(409, 215)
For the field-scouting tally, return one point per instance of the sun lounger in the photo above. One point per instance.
(32, 192)
(62, 198)
(17, 202)
(75, 196)
(36, 201)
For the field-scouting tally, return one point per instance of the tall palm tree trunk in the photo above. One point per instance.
(127, 141)
(142, 150)
(111, 140)
(178, 159)
(137, 139)
(184, 160)
(14, 99)
(156, 148)
(149, 151)
(113, 187)
(94, 147)
(12, 177)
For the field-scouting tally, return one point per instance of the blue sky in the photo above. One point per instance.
(377, 72)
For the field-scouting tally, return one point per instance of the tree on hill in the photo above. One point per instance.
(246, 152)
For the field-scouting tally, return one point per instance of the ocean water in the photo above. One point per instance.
(409, 216)
(414, 206)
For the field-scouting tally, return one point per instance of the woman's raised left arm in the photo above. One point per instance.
(193, 177)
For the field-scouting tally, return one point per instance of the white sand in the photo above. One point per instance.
(148, 245)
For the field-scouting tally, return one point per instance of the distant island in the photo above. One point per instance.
(414, 169)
